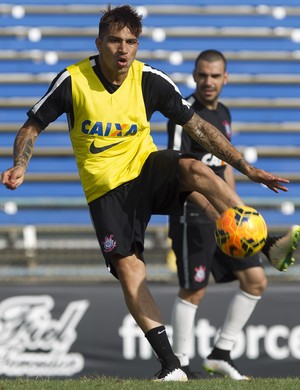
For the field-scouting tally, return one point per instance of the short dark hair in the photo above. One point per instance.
(121, 16)
(211, 56)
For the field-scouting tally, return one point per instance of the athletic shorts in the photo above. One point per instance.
(121, 216)
(197, 254)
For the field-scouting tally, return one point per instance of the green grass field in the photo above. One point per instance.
(115, 383)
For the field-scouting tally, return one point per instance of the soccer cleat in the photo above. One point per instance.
(280, 250)
(168, 375)
(223, 367)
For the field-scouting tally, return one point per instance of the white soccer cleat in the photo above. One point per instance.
(224, 368)
(280, 251)
(166, 375)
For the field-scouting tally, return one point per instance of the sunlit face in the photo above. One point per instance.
(117, 51)
(210, 77)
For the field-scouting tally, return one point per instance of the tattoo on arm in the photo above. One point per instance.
(23, 150)
(24, 143)
(242, 165)
(214, 141)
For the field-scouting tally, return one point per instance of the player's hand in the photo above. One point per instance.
(271, 181)
(13, 177)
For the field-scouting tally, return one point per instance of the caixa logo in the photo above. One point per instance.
(32, 343)
(278, 341)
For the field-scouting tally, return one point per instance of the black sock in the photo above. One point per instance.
(265, 249)
(269, 242)
(160, 344)
(219, 354)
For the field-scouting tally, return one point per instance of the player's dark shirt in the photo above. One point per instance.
(179, 139)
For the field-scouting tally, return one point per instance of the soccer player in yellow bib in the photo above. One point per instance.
(109, 99)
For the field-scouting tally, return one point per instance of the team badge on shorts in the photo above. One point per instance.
(200, 274)
(109, 243)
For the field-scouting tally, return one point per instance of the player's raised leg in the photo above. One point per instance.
(195, 176)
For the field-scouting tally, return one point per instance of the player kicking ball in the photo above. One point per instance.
(109, 99)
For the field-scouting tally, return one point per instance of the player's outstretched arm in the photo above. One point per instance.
(13, 177)
(214, 141)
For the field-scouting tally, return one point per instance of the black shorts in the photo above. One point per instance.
(197, 254)
(120, 217)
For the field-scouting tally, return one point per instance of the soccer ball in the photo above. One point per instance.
(240, 231)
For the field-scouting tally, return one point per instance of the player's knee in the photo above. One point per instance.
(191, 295)
(192, 171)
(263, 284)
(122, 266)
(255, 287)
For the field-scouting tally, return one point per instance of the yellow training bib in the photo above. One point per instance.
(111, 135)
